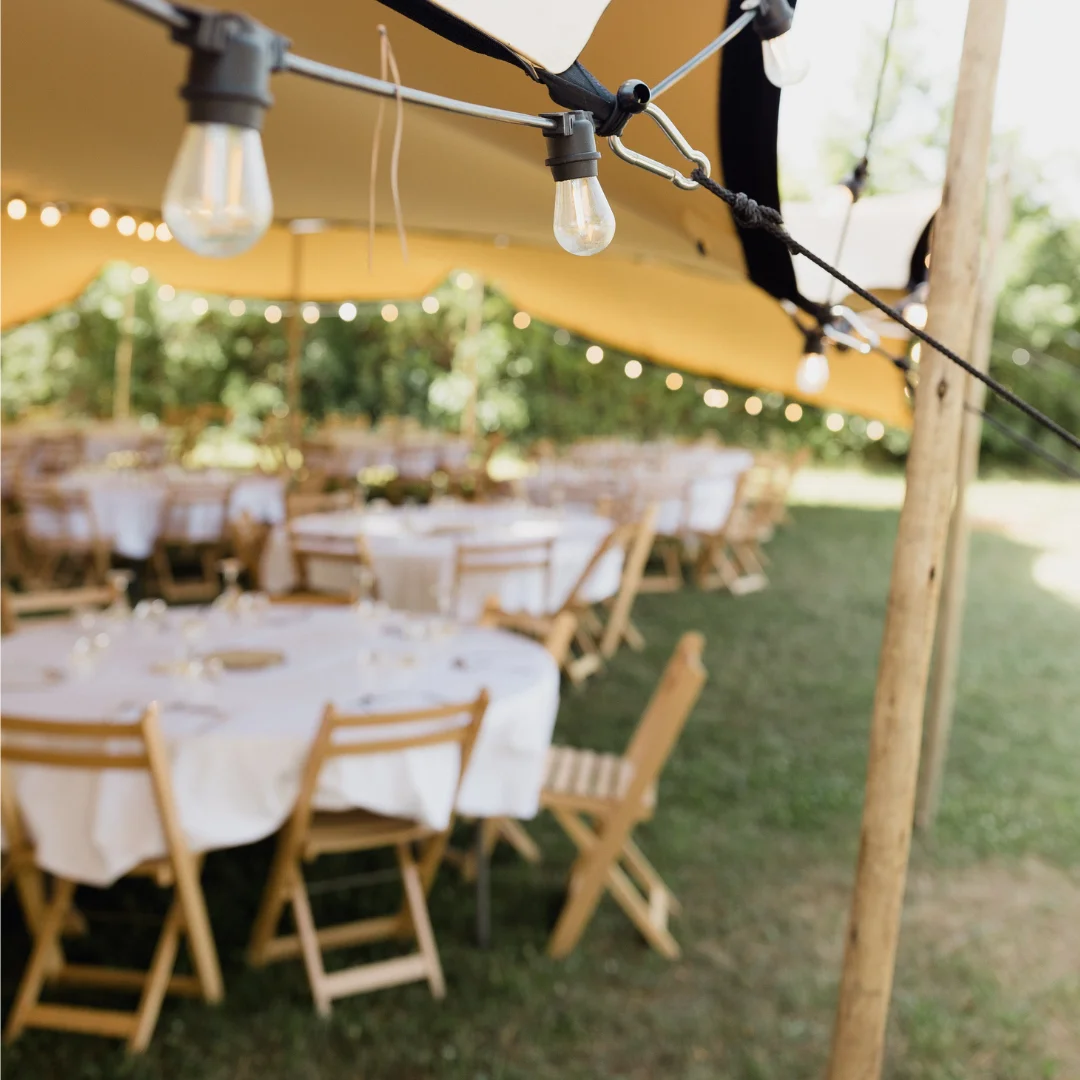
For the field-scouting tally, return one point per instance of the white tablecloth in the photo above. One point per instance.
(127, 505)
(413, 552)
(238, 745)
(416, 455)
(694, 489)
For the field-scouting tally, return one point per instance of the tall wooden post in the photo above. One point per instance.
(895, 735)
(296, 342)
(125, 348)
(467, 358)
(942, 697)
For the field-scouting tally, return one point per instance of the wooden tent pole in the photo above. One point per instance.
(474, 320)
(296, 342)
(125, 348)
(942, 697)
(895, 735)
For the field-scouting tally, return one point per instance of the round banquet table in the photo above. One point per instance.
(695, 490)
(237, 743)
(127, 504)
(413, 551)
(412, 456)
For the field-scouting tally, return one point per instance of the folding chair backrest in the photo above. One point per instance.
(618, 538)
(53, 515)
(398, 735)
(666, 714)
(94, 747)
(195, 513)
(57, 601)
(343, 551)
(55, 454)
(299, 503)
(494, 561)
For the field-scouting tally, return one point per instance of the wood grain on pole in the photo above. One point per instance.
(895, 736)
(295, 341)
(942, 697)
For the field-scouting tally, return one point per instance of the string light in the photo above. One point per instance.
(146, 230)
(875, 430)
(125, 225)
(834, 422)
(390, 312)
(632, 369)
(464, 280)
(562, 337)
(200, 306)
(347, 312)
(522, 320)
(753, 405)
(584, 223)
(140, 275)
(1021, 357)
(793, 412)
(237, 308)
(785, 63)
(50, 215)
(812, 374)
(673, 381)
(163, 232)
(16, 209)
(100, 217)
(310, 314)
(166, 293)
(916, 351)
(430, 304)
(594, 354)
(716, 398)
(272, 314)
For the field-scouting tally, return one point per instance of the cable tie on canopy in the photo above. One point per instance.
(387, 67)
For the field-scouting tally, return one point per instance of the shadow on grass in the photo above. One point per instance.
(756, 833)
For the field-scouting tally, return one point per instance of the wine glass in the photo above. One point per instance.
(119, 582)
(231, 570)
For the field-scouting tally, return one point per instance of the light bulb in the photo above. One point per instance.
(916, 314)
(812, 374)
(584, 222)
(217, 200)
(785, 62)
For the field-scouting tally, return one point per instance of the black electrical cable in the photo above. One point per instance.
(749, 214)
(1021, 439)
(862, 167)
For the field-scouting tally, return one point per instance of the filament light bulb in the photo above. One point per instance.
(217, 200)
(784, 61)
(584, 223)
(812, 374)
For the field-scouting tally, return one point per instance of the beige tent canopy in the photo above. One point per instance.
(91, 117)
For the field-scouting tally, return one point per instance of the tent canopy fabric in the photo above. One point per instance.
(91, 116)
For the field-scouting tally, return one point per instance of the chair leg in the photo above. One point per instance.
(274, 898)
(196, 922)
(513, 832)
(309, 943)
(415, 896)
(157, 979)
(46, 943)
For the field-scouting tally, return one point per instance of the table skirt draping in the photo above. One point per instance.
(413, 560)
(237, 746)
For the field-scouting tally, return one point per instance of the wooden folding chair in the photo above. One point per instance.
(299, 503)
(52, 602)
(584, 659)
(598, 799)
(64, 543)
(619, 627)
(731, 557)
(194, 522)
(557, 642)
(345, 552)
(97, 747)
(493, 562)
(310, 833)
(667, 546)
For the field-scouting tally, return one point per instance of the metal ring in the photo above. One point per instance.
(658, 168)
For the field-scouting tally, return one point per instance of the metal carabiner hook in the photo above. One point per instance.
(658, 168)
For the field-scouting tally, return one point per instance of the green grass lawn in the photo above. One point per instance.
(756, 833)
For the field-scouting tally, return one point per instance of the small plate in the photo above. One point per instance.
(246, 659)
